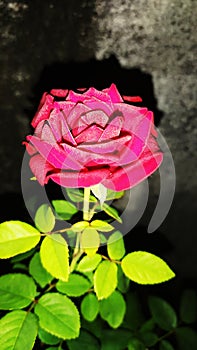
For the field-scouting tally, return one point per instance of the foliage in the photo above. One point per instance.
(74, 296)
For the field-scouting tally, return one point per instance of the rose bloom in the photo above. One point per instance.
(89, 137)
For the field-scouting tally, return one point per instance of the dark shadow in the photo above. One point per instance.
(99, 74)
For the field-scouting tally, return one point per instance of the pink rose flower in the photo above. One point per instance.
(89, 137)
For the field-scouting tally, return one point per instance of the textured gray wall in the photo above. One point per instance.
(156, 37)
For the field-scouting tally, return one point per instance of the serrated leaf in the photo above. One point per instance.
(90, 307)
(17, 237)
(135, 344)
(111, 195)
(165, 345)
(115, 246)
(115, 339)
(111, 212)
(44, 218)
(14, 328)
(146, 268)
(85, 340)
(88, 264)
(90, 241)
(163, 313)
(80, 226)
(186, 338)
(99, 192)
(16, 291)
(77, 195)
(113, 309)
(76, 286)
(64, 209)
(38, 272)
(58, 315)
(105, 279)
(48, 338)
(188, 306)
(123, 281)
(54, 256)
(101, 225)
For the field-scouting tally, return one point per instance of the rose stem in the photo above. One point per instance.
(86, 203)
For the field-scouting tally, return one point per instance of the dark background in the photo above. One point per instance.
(147, 49)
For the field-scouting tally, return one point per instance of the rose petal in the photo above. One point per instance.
(43, 111)
(73, 118)
(59, 92)
(40, 167)
(95, 117)
(132, 98)
(134, 173)
(106, 107)
(132, 115)
(90, 134)
(106, 146)
(113, 129)
(86, 157)
(47, 134)
(113, 92)
(100, 95)
(80, 179)
(55, 155)
(29, 148)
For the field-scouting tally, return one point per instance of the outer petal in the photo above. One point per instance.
(40, 167)
(134, 173)
(54, 155)
(114, 93)
(43, 110)
(100, 95)
(80, 179)
(30, 148)
(59, 92)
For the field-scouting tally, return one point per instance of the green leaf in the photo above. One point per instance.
(111, 212)
(18, 330)
(23, 256)
(115, 339)
(149, 338)
(19, 266)
(54, 256)
(105, 279)
(115, 246)
(44, 218)
(84, 341)
(135, 344)
(186, 338)
(16, 291)
(90, 241)
(111, 195)
(188, 306)
(64, 209)
(163, 313)
(58, 315)
(165, 345)
(88, 264)
(41, 276)
(95, 327)
(146, 268)
(76, 286)
(149, 325)
(90, 307)
(17, 237)
(113, 309)
(80, 226)
(77, 195)
(99, 192)
(134, 317)
(101, 225)
(123, 281)
(48, 338)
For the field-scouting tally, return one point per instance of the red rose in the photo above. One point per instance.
(85, 138)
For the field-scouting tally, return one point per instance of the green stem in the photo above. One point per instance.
(77, 253)
(86, 203)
